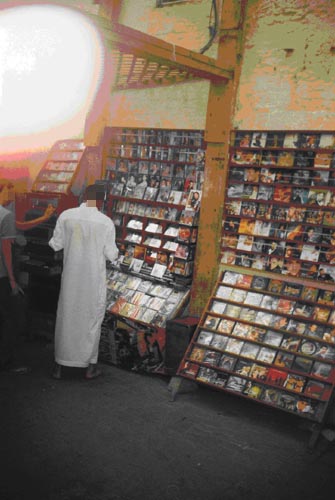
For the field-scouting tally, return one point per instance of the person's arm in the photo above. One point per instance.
(111, 251)
(6, 244)
(8, 235)
(24, 226)
(57, 240)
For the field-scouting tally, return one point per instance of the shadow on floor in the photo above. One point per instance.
(120, 437)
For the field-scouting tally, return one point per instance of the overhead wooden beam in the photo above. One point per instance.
(140, 44)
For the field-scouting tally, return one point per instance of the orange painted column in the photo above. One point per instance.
(220, 110)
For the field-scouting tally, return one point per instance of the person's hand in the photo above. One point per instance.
(49, 211)
(20, 240)
(17, 290)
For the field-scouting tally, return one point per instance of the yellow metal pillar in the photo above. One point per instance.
(220, 110)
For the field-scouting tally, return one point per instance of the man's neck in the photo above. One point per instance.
(91, 203)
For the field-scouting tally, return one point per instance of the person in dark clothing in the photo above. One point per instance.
(9, 288)
(10, 291)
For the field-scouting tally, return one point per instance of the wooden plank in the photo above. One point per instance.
(146, 46)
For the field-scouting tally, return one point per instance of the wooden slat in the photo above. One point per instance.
(189, 64)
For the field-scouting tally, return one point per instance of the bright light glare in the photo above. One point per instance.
(51, 61)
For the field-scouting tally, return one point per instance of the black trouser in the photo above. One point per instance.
(8, 323)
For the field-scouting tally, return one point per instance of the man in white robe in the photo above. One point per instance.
(88, 239)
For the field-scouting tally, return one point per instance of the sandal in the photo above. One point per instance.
(93, 374)
(57, 372)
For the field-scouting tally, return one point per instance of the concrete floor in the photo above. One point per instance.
(120, 437)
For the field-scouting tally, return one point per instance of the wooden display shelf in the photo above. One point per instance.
(267, 339)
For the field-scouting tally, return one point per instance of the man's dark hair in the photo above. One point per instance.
(94, 192)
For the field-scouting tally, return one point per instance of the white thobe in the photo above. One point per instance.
(88, 239)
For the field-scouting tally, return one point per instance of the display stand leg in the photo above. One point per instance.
(316, 431)
(329, 434)
(322, 428)
(180, 385)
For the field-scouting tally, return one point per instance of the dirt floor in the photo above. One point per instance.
(122, 437)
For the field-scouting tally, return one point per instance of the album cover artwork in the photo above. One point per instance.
(253, 390)
(211, 321)
(258, 140)
(225, 325)
(273, 338)
(218, 307)
(260, 282)
(291, 140)
(276, 377)
(266, 355)
(275, 264)
(275, 286)
(248, 314)
(256, 333)
(230, 277)
(322, 370)
(270, 395)
(232, 310)
(253, 299)
(243, 367)
(292, 290)
(207, 375)
(326, 297)
(327, 141)
(223, 292)
(290, 343)
(233, 207)
(244, 280)
(301, 178)
(221, 379)
(240, 329)
(269, 158)
(190, 369)
(211, 357)
(282, 193)
(315, 389)
(284, 359)
(242, 137)
(259, 372)
(219, 342)
(238, 295)
(265, 192)
(227, 362)
(270, 302)
(283, 176)
(236, 384)
(301, 364)
(249, 350)
(234, 346)
(275, 139)
(287, 402)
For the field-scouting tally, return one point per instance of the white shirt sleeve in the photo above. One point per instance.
(111, 251)
(57, 240)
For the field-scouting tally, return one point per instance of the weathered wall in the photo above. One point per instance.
(177, 106)
(184, 24)
(288, 69)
